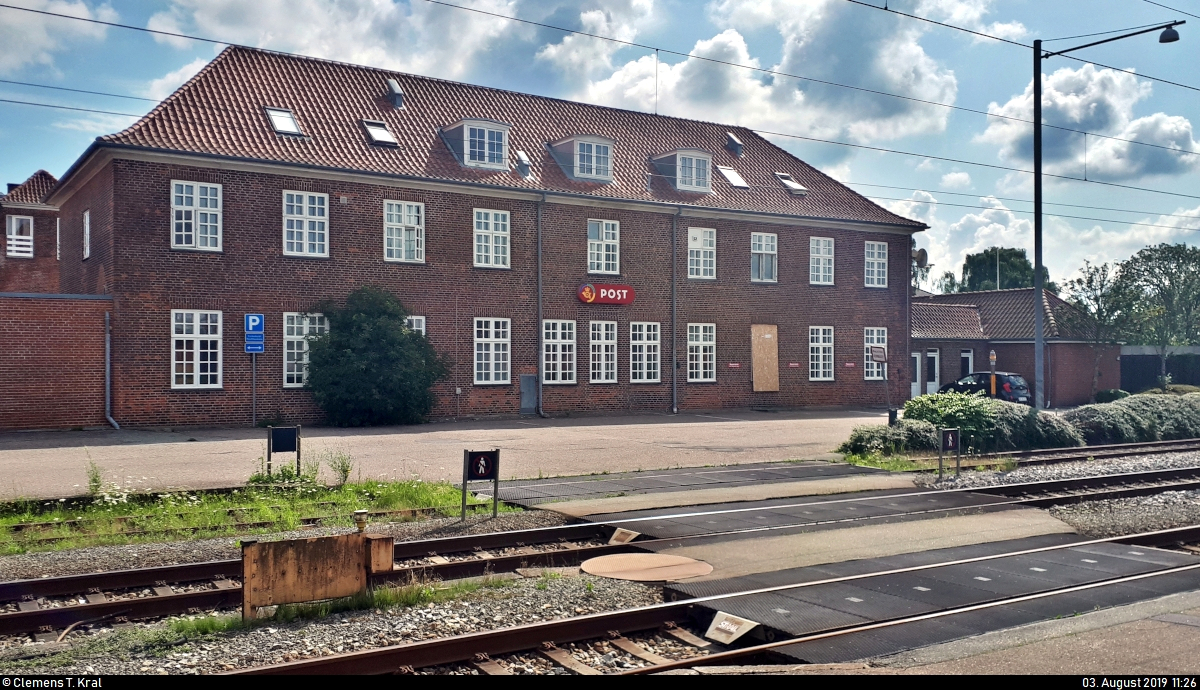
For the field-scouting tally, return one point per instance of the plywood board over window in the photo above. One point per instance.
(764, 357)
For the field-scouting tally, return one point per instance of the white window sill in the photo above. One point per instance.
(204, 250)
(593, 178)
(693, 190)
(295, 255)
(560, 383)
(700, 278)
(485, 166)
(19, 256)
(637, 383)
(493, 383)
(603, 383)
(702, 380)
(764, 282)
(821, 284)
(876, 287)
(820, 380)
(497, 268)
(197, 388)
(292, 386)
(604, 273)
(403, 261)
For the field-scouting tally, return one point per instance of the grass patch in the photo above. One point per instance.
(120, 516)
(917, 463)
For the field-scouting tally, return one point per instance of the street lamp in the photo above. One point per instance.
(1168, 35)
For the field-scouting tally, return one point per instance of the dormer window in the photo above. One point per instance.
(284, 121)
(479, 143)
(585, 157)
(378, 133)
(691, 169)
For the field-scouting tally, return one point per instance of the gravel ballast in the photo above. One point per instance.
(146, 555)
(1119, 516)
(1066, 470)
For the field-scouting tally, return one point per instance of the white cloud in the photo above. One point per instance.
(165, 85)
(422, 38)
(96, 124)
(582, 57)
(956, 180)
(33, 39)
(1100, 101)
(969, 14)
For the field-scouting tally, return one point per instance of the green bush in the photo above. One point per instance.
(1169, 416)
(1052, 431)
(1111, 395)
(1172, 389)
(972, 414)
(907, 435)
(370, 367)
(1106, 423)
(1020, 427)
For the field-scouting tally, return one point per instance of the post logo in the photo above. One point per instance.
(587, 293)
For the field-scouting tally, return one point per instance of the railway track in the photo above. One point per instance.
(1048, 456)
(486, 651)
(128, 595)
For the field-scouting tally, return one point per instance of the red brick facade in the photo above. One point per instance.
(38, 273)
(52, 362)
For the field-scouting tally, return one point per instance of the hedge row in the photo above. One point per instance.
(989, 425)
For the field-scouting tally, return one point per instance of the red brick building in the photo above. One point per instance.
(953, 334)
(269, 183)
(29, 262)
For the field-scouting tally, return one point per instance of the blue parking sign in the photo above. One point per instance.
(254, 323)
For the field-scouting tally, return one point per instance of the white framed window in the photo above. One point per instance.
(820, 353)
(604, 351)
(416, 323)
(733, 177)
(487, 147)
(297, 330)
(404, 231)
(283, 121)
(492, 351)
(491, 238)
(702, 352)
(644, 352)
(305, 232)
(877, 337)
(18, 235)
(195, 215)
(558, 351)
(195, 349)
(379, 133)
(702, 253)
(875, 273)
(764, 257)
(593, 159)
(692, 173)
(604, 246)
(820, 261)
(87, 234)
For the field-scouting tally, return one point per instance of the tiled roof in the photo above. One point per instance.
(946, 322)
(31, 191)
(1008, 314)
(220, 112)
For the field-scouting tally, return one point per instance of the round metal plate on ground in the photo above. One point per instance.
(646, 567)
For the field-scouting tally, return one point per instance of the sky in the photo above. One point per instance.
(968, 205)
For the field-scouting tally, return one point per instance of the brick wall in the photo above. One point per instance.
(91, 276)
(252, 275)
(38, 273)
(1072, 366)
(949, 366)
(52, 362)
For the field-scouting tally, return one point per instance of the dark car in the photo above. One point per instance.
(1009, 386)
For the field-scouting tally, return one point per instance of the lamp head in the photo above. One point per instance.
(1169, 35)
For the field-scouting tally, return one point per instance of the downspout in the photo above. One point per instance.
(541, 204)
(674, 303)
(108, 371)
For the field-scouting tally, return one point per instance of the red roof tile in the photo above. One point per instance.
(220, 112)
(946, 322)
(31, 191)
(1008, 314)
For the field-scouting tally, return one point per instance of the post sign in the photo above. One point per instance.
(601, 293)
(949, 440)
(255, 323)
(878, 354)
(254, 348)
(481, 465)
(950, 443)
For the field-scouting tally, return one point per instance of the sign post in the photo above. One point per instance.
(479, 465)
(879, 356)
(255, 343)
(949, 441)
(992, 364)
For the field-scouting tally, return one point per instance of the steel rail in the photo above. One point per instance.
(523, 637)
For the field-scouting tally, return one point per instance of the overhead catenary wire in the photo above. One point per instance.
(1159, 4)
(1014, 210)
(64, 88)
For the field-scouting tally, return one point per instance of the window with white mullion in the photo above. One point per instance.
(820, 261)
(403, 231)
(702, 253)
(692, 173)
(195, 349)
(604, 246)
(195, 215)
(491, 238)
(19, 236)
(820, 353)
(603, 344)
(492, 356)
(305, 230)
(416, 323)
(298, 329)
(558, 351)
(702, 352)
(593, 159)
(875, 271)
(486, 147)
(874, 337)
(644, 353)
(764, 257)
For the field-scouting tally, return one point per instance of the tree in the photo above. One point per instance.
(1102, 310)
(1163, 286)
(918, 274)
(947, 283)
(370, 367)
(979, 271)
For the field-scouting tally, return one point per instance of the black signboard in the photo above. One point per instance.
(481, 465)
(950, 443)
(283, 439)
(949, 440)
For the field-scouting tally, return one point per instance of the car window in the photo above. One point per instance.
(1017, 381)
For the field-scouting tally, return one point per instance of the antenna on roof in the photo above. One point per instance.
(733, 144)
(395, 94)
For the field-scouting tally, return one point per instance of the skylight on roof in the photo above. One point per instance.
(792, 185)
(735, 179)
(283, 121)
(378, 132)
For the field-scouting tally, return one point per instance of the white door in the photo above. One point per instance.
(916, 375)
(933, 369)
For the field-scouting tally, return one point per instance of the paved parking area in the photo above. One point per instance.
(52, 464)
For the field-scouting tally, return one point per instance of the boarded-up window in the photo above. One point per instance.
(764, 357)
